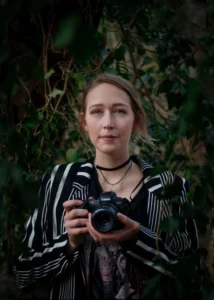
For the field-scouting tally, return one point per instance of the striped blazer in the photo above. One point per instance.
(46, 236)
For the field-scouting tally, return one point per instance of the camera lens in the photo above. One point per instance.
(103, 219)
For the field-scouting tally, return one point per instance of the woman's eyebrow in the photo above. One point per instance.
(115, 104)
(120, 104)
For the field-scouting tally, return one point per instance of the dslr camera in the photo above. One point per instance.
(104, 211)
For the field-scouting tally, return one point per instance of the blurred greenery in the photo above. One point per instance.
(49, 49)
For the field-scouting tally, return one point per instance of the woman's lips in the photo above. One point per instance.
(108, 137)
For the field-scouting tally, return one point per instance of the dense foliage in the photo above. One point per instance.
(51, 48)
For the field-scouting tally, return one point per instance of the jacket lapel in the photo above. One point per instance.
(80, 185)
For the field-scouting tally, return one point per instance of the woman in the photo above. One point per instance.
(63, 245)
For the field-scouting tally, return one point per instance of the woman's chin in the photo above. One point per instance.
(110, 150)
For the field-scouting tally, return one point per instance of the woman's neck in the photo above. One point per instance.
(111, 161)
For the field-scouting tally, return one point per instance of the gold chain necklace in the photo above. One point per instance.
(113, 184)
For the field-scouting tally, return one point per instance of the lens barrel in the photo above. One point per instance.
(104, 218)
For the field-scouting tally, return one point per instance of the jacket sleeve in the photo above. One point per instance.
(158, 249)
(42, 256)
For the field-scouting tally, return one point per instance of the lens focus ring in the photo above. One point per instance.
(104, 218)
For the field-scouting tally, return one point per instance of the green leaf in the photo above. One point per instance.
(56, 92)
(46, 129)
(79, 78)
(152, 286)
(50, 72)
(40, 116)
(29, 124)
(170, 224)
(34, 119)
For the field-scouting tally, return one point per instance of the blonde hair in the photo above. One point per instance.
(140, 131)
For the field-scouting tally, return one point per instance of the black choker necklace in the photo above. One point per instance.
(113, 169)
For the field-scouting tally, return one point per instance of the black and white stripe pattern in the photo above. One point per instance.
(46, 237)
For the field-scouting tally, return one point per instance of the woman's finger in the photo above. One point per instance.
(76, 223)
(76, 213)
(75, 232)
(70, 204)
(129, 223)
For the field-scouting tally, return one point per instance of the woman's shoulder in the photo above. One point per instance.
(57, 171)
(160, 179)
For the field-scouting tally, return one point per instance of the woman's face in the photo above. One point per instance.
(109, 119)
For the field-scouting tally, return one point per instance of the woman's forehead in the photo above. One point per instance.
(106, 93)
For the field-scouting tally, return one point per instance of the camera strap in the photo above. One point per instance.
(139, 183)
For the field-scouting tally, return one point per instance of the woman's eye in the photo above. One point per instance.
(96, 112)
(120, 111)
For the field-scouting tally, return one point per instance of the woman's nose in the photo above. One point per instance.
(108, 126)
(108, 121)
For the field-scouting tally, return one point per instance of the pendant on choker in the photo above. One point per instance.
(113, 169)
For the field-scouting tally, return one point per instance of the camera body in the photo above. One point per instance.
(104, 211)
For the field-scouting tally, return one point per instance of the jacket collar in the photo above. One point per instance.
(85, 170)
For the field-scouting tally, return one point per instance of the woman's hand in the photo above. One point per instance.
(129, 232)
(75, 222)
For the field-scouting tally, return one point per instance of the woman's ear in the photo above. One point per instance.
(82, 121)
